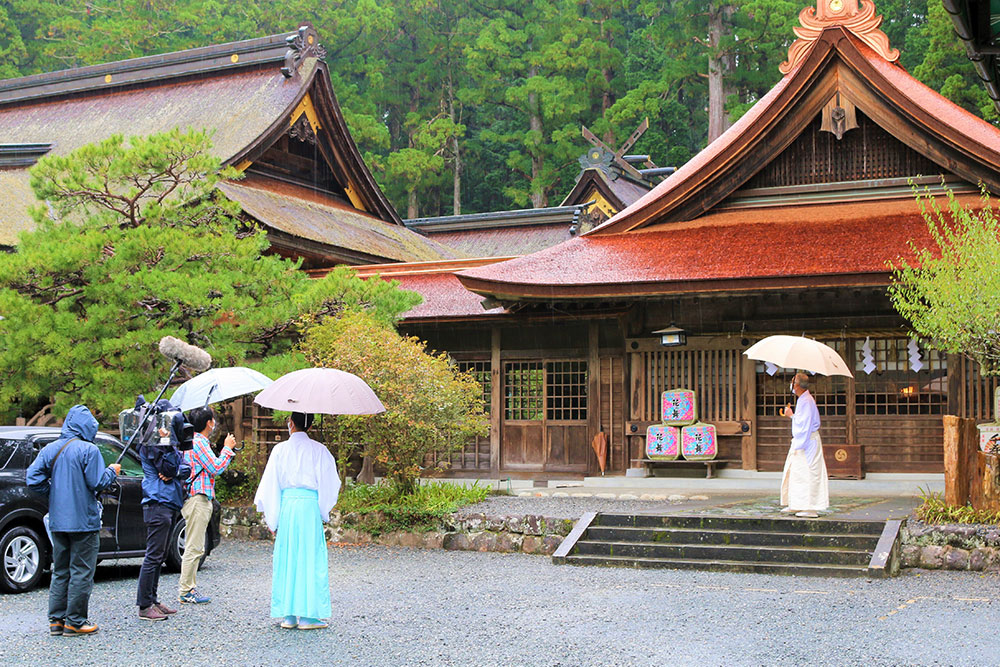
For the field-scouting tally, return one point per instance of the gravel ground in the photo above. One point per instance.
(428, 607)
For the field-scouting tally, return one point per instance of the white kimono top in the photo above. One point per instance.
(297, 463)
(805, 422)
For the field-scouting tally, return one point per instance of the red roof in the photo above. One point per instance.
(919, 107)
(729, 251)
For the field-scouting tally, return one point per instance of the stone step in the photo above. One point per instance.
(735, 537)
(713, 522)
(800, 569)
(709, 553)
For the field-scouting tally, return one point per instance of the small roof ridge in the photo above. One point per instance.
(528, 216)
(240, 54)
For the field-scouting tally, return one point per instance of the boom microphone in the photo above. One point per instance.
(191, 356)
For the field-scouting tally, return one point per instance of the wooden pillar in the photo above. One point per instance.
(956, 479)
(956, 386)
(748, 397)
(496, 402)
(851, 408)
(594, 394)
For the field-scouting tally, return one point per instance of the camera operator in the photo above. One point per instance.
(197, 510)
(164, 475)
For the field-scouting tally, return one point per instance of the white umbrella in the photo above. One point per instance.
(799, 352)
(323, 390)
(217, 385)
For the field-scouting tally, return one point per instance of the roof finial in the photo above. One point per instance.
(857, 16)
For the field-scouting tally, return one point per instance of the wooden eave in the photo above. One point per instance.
(592, 178)
(346, 156)
(528, 292)
(836, 62)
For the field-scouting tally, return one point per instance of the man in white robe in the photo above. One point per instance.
(298, 489)
(804, 485)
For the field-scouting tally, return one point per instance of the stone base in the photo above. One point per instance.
(637, 472)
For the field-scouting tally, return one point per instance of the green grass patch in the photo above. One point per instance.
(380, 508)
(934, 510)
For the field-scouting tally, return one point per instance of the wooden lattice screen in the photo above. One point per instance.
(714, 375)
(865, 153)
(975, 391)
(475, 454)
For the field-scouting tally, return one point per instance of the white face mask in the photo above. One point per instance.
(791, 387)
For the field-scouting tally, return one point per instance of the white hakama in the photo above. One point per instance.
(804, 483)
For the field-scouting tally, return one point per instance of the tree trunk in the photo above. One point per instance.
(717, 26)
(538, 198)
(412, 209)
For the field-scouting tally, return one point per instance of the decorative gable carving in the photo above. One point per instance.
(857, 16)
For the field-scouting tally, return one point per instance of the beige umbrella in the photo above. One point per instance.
(799, 352)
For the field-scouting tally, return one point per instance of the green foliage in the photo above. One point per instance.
(494, 95)
(430, 405)
(934, 510)
(133, 243)
(239, 482)
(381, 508)
(950, 292)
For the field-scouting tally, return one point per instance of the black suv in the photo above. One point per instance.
(24, 546)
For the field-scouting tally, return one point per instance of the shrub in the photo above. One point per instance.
(934, 510)
(430, 405)
(380, 508)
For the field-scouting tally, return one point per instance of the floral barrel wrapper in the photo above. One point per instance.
(678, 407)
(698, 442)
(663, 443)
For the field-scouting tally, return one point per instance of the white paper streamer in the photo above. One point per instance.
(770, 368)
(915, 363)
(867, 357)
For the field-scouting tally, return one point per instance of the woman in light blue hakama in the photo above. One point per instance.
(298, 489)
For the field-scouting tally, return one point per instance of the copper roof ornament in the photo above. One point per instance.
(857, 16)
(303, 44)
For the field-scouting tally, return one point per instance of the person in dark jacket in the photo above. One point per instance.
(70, 472)
(164, 474)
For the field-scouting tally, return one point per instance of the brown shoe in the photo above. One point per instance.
(85, 628)
(151, 613)
(164, 609)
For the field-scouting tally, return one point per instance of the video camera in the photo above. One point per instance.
(158, 418)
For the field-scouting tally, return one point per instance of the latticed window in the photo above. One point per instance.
(567, 390)
(894, 388)
(774, 392)
(481, 371)
(524, 384)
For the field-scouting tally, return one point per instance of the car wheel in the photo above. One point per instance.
(175, 547)
(24, 558)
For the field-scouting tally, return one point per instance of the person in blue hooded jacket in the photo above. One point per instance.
(70, 472)
(164, 475)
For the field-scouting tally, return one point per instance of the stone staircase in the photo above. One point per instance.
(813, 547)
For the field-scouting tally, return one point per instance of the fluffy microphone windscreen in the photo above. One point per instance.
(191, 356)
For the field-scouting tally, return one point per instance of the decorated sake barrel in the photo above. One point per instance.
(989, 438)
(663, 443)
(698, 442)
(677, 407)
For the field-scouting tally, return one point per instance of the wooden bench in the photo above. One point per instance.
(710, 466)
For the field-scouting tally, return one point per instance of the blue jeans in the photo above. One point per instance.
(74, 560)
(159, 519)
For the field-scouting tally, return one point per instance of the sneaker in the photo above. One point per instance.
(290, 622)
(788, 510)
(164, 609)
(56, 628)
(312, 624)
(192, 597)
(807, 515)
(151, 613)
(85, 628)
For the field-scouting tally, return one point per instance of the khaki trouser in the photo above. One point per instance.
(197, 512)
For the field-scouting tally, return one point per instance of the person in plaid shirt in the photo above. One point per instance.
(197, 510)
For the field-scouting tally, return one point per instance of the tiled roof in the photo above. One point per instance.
(238, 106)
(504, 241)
(301, 213)
(730, 251)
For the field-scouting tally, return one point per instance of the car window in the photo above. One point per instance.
(7, 450)
(110, 451)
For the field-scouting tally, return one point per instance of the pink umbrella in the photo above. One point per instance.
(323, 390)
